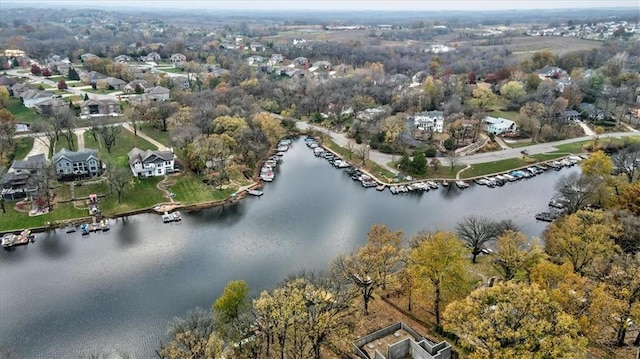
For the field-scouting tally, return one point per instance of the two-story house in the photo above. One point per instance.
(71, 165)
(19, 181)
(151, 163)
(432, 121)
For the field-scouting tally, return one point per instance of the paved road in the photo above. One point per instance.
(383, 158)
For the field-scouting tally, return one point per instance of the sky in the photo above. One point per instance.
(337, 5)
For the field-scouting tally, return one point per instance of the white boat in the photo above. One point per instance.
(104, 225)
(167, 217)
(462, 184)
(254, 192)
(177, 217)
(267, 176)
(7, 240)
(70, 227)
(393, 189)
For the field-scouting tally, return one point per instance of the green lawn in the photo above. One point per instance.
(14, 220)
(576, 147)
(519, 143)
(143, 193)
(161, 136)
(482, 169)
(190, 189)
(172, 70)
(509, 115)
(124, 143)
(23, 146)
(22, 114)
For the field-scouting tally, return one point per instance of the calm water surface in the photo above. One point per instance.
(67, 296)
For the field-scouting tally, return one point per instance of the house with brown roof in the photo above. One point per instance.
(96, 108)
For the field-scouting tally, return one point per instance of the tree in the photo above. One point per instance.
(192, 336)
(73, 74)
(541, 59)
(62, 84)
(573, 95)
(229, 306)
(4, 97)
(7, 130)
(578, 191)
(512, 90)
(616, 302)
(476, 231)
(109, 133)
(514, 320)
(627, 161)
(438, 262)
(483, 98)
(271, 127)
(514, 255)
(581, 239)
(598, 165)
(118, 178)
(36, 70)
(46, 72)
(370, 267)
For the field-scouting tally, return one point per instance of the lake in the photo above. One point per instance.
(114, 292)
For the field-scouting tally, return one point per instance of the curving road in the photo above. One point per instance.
(384, 158)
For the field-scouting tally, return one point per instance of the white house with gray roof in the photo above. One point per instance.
(83, 163)
(429, 121)
(499, 125)
(151, 163)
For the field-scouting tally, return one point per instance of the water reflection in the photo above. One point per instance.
(66, 294)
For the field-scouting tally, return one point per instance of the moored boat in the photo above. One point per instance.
(104, 225)
(177, 217)
(167, 217)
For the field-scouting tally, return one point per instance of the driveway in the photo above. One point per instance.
(40, 145)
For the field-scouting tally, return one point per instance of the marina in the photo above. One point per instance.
(79, 284)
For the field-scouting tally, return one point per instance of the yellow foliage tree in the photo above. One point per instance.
(514, 320)
(581, 239)
(438, 265)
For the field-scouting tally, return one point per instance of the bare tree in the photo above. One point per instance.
(627, 161)
(577, 190)
(118, 178)
(453, 159)
(476, 231)
(109, 133)
(363, 153)
(351, 146)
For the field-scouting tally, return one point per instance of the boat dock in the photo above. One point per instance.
(255, 192)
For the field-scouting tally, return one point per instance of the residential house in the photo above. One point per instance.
(71, 165)
(399, 341)
(322, 65)
(31, 98)
(300, 61)
(20, 179)
(151, 163)
(551, 72)
(115, 84)
(86, 56)
(18, 89)
(151, 57)
(276, 59)
(256, 47)
(498, 126)
(131, 86)
(571, 115)
(255, 59)
(591, 112)
(122, 59)
(92, 77)
(158, 93)
(178, 60)
(432, 121)
(95, 108)
(299, 41)
(60, 67)
(373, 114)
(51, 106)
(7, 82)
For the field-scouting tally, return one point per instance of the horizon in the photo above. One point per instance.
(333, 6)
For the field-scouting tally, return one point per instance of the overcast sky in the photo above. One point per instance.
(329, 5)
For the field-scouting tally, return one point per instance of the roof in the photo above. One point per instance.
(93, 101)
(157, 90)
(30, 163)
(32, 94)
(499, 121)
(137, 154)
(78, 156)
(114, 81)
(438, 114)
